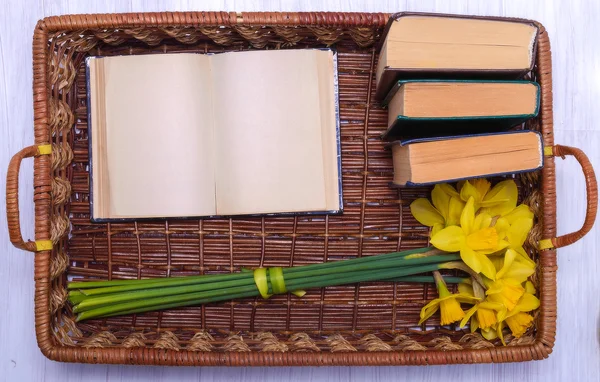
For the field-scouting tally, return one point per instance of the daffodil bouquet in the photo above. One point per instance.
(475, 228)
(487, 228)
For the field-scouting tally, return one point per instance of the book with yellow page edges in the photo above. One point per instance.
(417, 45)
(433, 160)
(426, 108)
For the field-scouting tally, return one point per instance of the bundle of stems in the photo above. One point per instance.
(97, 299)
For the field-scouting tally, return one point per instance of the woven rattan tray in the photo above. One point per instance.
(367, 324)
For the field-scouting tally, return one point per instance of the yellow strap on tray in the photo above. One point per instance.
(44, 149)
(545, 244)
(548, 151)
(43, 245)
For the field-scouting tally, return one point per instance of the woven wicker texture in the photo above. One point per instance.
(367, 324)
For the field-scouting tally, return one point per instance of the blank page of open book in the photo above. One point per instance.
(237, 133)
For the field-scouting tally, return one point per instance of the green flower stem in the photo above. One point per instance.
(158, 283)
(250, 293)
(94, 301)
(188, 299)
(409, 279)
(429, 279)
(133, 285)
(210, 278)
(248, 279)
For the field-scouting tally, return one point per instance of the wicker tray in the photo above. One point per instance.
(366, 324)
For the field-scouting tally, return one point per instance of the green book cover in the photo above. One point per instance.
(407, 126)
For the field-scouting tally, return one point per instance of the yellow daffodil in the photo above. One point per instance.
(485, 311)
(447, 303)
(511, 266)
(512, 272)
(474, 239)
(445, 210)
(518, 320)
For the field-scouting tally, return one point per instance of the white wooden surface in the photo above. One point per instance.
(575, 36)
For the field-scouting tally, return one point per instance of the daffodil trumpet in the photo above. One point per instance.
(448, 304)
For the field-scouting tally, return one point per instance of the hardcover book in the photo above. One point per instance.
(425, 108)
(436, 46)
(434, 160)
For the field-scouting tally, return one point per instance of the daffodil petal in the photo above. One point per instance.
(469, 191)
(491, 203)
(509, 257)
(474, 324)
(496, 250)
(494, 288)
(465, 289)
(521, 211)
(448, 189)
(528, 303)
(455, 209)
(425, 213)
(502, 226)
(498, 262)
(482, 220)
(441, 200)
(498, 333)
(529, 288)
(518, 231)
(482, 186)
(487, 268)
(477, 222)
(502, 313)
(489, 334)
(467, 217)
(435, 229)
(519, 271)
(502, 198)
(432, 305)
(450, 239)
(470, 258)
(466, 299)
(491, 305)
(428, 310)
(468, 314)
(524, 257)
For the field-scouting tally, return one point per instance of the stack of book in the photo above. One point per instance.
(455, 91)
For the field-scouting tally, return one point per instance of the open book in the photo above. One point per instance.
(236, 133)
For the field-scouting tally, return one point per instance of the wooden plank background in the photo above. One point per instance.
(575, 36)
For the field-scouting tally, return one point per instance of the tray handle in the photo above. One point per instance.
(12, 199)
(591, 188)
